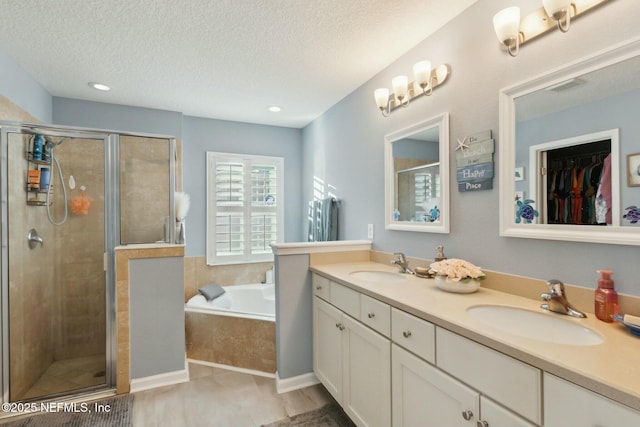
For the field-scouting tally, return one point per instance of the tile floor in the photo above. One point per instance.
(68, 374)
(219, 398)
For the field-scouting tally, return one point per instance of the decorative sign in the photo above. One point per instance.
(474, 161)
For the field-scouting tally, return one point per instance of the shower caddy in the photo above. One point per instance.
(34, 190)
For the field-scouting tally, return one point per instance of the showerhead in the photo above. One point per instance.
(51, 143)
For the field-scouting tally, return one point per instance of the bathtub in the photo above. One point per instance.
(235, 330)
(254, 301)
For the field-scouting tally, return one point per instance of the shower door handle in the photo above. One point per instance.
(34, 239)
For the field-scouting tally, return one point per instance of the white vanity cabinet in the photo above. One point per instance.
(566, 404)
(498, 377)
(425, 395)
(350, 359)
(327, 346)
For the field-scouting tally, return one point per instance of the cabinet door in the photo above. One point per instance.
(367, 375)
(327, 346)
(424, 396)
(495, 415)
(513, 383)
(566, 404)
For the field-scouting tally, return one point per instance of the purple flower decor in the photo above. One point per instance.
(632, 215)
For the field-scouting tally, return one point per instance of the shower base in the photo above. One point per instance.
(69, 374)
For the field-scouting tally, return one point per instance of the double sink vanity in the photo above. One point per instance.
(394, 350)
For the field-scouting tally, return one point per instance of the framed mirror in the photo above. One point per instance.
(417, 177)
(569, 151)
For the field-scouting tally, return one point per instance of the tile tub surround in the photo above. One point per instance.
(198, 274)
(609, 369)
(233, 341)
(123, 255)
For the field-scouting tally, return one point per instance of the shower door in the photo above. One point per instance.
(56, 303)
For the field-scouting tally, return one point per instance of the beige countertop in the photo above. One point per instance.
(611, 369)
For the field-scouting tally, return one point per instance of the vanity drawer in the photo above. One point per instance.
(322, 287)
(514, 384)
(346, 299)
(414, 334)
(375, 314)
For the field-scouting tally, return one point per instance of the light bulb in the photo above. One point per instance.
(382, 97)
(506, 23)
(400, 84)
(422, 72)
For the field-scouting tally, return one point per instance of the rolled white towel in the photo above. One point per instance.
(634, 320)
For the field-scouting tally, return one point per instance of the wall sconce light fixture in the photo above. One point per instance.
(425, 80)
(512, 31)
(559, 10)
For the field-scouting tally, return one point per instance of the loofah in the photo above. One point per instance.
(80, 205)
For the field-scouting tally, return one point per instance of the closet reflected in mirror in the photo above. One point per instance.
(416, 175)
(566, 138)
(573, 181)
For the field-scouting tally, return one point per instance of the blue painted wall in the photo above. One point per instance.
(198, 136)
(342, 151)
(201, 135)
(23, 90)
(344, 147)
(98, 115)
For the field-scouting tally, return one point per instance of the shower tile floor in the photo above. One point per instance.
(69, 374)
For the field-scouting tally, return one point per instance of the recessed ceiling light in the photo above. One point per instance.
(99, 86)
(274, 109)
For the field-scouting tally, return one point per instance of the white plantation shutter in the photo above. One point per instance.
(244, 207)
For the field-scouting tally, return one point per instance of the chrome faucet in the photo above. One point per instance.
(402, 263)
(557, 300)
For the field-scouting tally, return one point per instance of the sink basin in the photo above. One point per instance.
(378, 276)
(542, 326)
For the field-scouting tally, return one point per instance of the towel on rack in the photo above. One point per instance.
(323, 220)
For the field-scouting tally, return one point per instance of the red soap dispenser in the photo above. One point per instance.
(606, 298)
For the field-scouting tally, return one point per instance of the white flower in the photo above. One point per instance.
(456, 269)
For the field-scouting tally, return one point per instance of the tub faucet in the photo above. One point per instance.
(402, 263)
(557, 300)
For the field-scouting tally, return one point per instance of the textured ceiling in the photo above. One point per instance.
(224, 59)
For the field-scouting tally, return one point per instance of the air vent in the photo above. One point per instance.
(567, 84)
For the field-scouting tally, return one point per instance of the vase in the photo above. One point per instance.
(458, 287)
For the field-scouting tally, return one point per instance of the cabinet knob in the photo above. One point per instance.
(467, 415)
(318, 287)
(371, 315)
(482, 423)
(406, 334)
(340, 326)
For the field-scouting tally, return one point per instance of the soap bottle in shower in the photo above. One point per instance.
(38, 144)
(606, 298)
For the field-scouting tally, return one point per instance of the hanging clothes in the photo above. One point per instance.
(573, 178)
(603, 195)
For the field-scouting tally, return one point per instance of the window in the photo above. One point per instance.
(244, 207)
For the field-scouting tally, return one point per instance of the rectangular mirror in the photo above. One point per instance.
(417, 177)
(567, 141)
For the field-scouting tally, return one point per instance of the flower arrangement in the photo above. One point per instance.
(457, 270)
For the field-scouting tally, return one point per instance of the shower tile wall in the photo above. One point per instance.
(144, 179)
(33, 353)
(57, 291)
(80, 277)
(32, 290)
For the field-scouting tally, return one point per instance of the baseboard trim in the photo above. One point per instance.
(295, 383)
(160, 380)
(232, 368)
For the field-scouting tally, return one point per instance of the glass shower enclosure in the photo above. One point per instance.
(69, 197)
